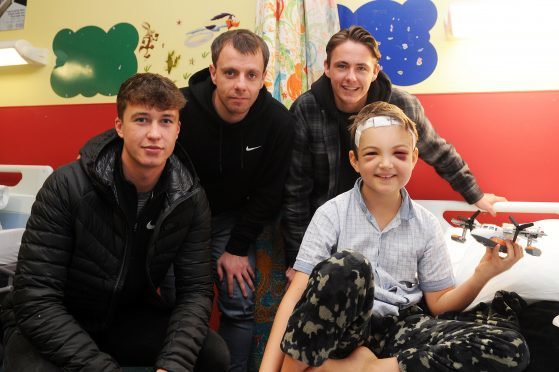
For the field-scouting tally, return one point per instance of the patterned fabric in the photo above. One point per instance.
(409, 256)
(313, 174)
(270, 288)
(296, 32)
(333, 318)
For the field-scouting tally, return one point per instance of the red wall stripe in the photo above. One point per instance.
(510, 140)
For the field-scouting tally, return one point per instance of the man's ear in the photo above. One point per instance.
(376, 70)
(118, 127)
(353, 161)
(326, 68)
(263, 78)
(212, 73)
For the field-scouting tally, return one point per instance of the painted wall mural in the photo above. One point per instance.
(402, 31)
(199, 36)
(91, 61)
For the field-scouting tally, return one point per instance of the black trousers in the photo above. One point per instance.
(134, 340)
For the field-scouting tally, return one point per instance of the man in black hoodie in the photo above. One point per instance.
(103, 232)
(239, 139)
(320, 167)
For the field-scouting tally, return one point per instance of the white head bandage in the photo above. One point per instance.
(380, 121)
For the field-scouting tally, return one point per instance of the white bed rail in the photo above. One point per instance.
(438, 207)
(23, 194)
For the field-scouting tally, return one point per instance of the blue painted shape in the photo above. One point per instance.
(402, 30)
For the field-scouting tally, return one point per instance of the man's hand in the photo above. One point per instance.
(160, 370)
(492, 264)
(289, 274)
(487, 201)
(235, 267)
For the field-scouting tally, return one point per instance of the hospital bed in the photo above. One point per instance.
(535, 279)
(15, 208)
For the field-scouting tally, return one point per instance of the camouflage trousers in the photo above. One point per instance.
(334, 317)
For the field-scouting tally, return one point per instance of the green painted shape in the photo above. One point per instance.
(91, 61)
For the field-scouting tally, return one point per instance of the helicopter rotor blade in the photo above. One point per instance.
(516, 232)
(519, 228)
(526, 225)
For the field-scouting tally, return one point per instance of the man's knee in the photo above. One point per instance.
(21, 355)
(214, 355)
(236, 307)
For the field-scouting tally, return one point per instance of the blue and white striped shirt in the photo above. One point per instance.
(408, 257)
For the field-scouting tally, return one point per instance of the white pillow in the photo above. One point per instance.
(10, 241)
(533, 278)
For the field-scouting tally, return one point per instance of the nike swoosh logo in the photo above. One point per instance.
(252, 148)
(150, 226)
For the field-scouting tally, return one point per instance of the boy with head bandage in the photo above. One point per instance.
(373, 273)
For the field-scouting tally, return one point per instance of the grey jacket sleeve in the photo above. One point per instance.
(296, 211)
(435, 151)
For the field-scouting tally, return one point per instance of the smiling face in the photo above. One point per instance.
(351, 70)
(386, 158)
(149, 137)
(238, 79)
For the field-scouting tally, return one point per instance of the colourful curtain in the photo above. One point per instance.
(296, 32)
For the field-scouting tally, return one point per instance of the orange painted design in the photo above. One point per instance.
(279, 9)
(294, 83)
(231, 23)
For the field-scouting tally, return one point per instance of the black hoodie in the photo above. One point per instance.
(242, 166)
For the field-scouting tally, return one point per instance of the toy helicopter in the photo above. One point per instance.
(490, 235)
(465, 224)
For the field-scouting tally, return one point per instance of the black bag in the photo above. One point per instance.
(541, 335)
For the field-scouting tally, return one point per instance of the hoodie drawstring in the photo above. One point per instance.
(221, 149)
(243, 148)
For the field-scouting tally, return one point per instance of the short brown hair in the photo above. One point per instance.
(244, 41)
(150, 90)
(356, 34)
(380, 108)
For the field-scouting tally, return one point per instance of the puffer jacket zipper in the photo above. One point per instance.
(151, 245)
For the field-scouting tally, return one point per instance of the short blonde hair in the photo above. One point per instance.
(380, 109)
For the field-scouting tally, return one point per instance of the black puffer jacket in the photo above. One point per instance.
(74, 255)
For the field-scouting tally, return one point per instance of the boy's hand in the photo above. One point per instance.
(492, 264)
(235, 267)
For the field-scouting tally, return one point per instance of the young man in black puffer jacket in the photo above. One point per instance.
(102, 234)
